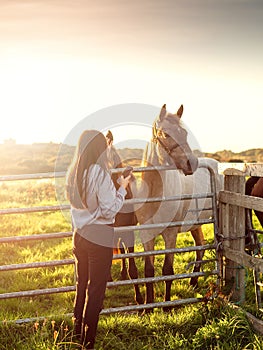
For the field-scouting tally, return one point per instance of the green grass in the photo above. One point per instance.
(211, 326)
(200, 326)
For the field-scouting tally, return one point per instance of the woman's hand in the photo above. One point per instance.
(124, 182)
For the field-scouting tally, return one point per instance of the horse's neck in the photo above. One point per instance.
(114, 158)
(151, 157)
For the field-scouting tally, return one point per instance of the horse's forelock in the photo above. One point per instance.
(173, 120)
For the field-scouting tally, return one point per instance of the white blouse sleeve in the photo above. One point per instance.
(110, 200)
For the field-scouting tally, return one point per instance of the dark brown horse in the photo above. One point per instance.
(124, 241)
(257, 191)
(254, 187)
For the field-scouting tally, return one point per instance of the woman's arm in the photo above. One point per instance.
(110, 200)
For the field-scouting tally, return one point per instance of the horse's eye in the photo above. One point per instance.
(165, 135)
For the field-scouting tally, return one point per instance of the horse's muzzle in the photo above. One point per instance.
(192, 165)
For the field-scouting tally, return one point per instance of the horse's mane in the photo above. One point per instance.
(150, 156)
(144, 161)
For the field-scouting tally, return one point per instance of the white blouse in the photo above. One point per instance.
(103, 200)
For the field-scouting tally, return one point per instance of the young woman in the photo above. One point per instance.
(94, 204)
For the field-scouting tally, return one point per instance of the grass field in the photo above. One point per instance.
(208, 326)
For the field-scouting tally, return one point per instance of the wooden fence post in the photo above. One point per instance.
(232, 226)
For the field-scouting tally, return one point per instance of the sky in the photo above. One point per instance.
(63, 61)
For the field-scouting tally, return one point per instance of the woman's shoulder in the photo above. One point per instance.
(97, 172)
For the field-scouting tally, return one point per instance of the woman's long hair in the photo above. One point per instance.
(91, 149)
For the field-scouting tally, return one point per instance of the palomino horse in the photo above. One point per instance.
(124, 241)
(169, 146)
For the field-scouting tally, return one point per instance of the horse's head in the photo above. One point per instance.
(171, 138)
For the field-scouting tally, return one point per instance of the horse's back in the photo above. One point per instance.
(174, 183)
(200, 181)
(195, 185)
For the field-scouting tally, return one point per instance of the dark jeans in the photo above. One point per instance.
(92, 263)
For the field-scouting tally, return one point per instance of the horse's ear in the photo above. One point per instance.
(162, 112)
(180, 111)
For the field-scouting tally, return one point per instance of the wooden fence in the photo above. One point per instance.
(232, 228)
